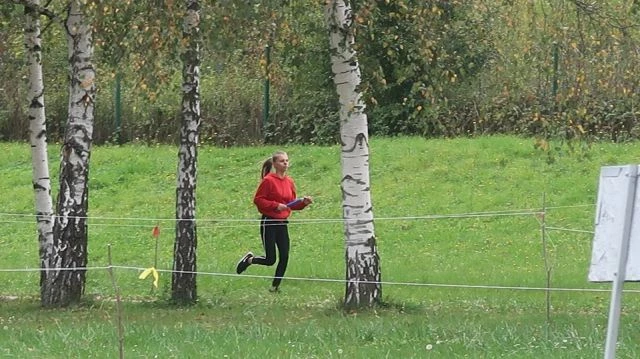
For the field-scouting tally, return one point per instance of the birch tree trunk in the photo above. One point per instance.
(38, 140)
(183, 283)
(70, 229)
(363, 286)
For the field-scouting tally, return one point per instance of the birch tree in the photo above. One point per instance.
(38, 140)
(183, 283)
(69, 249)
(363, 286)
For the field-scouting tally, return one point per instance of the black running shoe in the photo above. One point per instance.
(244, 263)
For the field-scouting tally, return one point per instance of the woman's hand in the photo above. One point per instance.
(307, 200)
(281, 207)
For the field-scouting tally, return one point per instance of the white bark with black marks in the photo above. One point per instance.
(362, 260)
(70, 228)
(183, 283)
(38, 140)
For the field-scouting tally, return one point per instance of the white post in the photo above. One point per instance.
(618, 280)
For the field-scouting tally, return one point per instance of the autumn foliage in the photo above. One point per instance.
(438, 68)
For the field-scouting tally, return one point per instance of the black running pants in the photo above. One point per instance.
(274, 234)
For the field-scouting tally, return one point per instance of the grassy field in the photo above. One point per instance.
(461, 246)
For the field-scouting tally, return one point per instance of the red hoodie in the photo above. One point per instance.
(274, 190)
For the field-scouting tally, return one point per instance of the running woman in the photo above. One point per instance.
(275, 198)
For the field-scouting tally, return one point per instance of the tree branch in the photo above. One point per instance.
(37, 8)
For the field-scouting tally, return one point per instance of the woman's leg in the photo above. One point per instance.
(283, 243)
(268, 233)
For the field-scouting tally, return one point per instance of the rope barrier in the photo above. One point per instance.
(328, 280)
(50, 269)
(572, 206)
(231, 222)
(569, 230)
(328, 221)
(252, 222)
(517, 212)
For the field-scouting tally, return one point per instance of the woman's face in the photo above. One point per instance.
(281, 163)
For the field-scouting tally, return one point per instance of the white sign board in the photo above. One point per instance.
(615, 190)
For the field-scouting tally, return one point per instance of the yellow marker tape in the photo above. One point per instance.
(146, 273)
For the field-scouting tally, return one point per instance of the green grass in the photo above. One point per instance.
(435, 255)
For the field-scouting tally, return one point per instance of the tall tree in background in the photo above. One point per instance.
(362, 261)
(38, 139)
(183, 283)
(70, 229)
